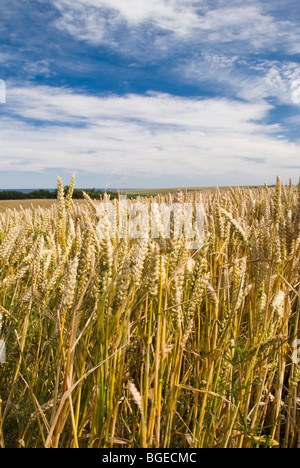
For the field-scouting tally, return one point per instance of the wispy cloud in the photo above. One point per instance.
(218, 42)
(252, 80)
(103, 18)
(233, 25)
(156, 133)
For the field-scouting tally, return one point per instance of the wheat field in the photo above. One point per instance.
(123, 342)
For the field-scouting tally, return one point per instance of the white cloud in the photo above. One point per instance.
(38, 68)
(121, 22)
(158, 134)
(284, 80)
(252, 81)
(215, 38)
(173, 15)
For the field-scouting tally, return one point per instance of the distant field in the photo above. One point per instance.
(17, 204)
(164, 191)
(12, 204)
(46, 203)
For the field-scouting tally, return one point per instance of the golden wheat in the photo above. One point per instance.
(114, 339)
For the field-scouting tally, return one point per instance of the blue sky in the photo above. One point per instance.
(149, 93)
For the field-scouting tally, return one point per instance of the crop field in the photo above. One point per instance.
(19, 204)
(121, 340)
(28, 204)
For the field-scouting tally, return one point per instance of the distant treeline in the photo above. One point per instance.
(46, 194)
